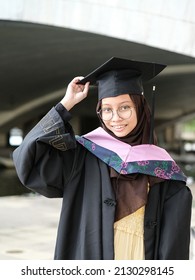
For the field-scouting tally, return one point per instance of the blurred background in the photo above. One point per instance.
(44, 44)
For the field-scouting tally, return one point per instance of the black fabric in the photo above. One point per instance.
(50, 162)
(118, 76)
(114, 83)
(148, 70)
(167, 221)
(64, 114)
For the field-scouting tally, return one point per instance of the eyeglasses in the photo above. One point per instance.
(124, 112)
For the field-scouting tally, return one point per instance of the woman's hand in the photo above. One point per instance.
(75, 93)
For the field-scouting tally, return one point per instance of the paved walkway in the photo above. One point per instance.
(28, 226)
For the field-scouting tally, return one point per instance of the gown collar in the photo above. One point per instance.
(146, 159)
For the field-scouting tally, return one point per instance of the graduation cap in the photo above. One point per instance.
(120, 76)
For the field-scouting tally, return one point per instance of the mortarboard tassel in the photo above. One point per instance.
(151, 140)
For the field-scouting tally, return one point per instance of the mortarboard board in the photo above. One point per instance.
(119, 76)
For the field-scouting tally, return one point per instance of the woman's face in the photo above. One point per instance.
(122, 109)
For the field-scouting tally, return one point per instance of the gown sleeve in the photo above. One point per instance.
(175, 226)
(45, 160)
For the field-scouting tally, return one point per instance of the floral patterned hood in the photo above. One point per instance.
(125, 159)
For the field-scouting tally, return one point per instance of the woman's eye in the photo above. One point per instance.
(124, 108)
(106, 110)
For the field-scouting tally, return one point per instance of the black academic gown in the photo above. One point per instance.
(52, 163)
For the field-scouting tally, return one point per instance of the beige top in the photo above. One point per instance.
(129, 237)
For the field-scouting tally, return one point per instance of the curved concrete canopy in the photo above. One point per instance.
(164, 24)
(38, 61)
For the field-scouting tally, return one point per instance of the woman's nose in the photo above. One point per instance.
(115, 116)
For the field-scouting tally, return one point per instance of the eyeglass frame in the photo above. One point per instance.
(130, 110)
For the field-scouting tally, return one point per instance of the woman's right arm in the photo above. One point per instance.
(45, 159)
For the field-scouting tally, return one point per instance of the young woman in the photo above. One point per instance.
(123, 196)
